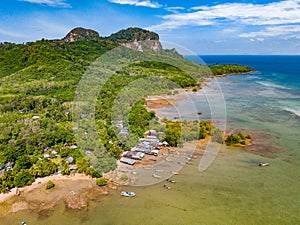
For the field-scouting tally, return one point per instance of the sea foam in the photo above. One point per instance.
(295, 111)
(272, 85)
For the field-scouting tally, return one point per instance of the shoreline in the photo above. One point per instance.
(233, 74)
(76, 192)
(155, 102)
(257, 145)
(84, 186)
(79, 191)
(41, 181)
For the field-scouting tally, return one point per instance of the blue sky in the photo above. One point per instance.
(205, 27)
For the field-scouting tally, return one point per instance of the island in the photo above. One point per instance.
(229, 69)
(38, 84)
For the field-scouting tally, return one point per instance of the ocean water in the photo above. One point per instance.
(234, 189)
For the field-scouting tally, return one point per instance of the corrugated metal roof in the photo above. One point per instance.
(127, 161)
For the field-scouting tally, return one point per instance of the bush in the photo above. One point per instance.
(124, 177)
(93, 173)
(241, 135)
(249, 136)
(50, 185)
(217, 135)
(233, 139)
(240, 138)
(101, 181)
(202, 133)
(23, 178)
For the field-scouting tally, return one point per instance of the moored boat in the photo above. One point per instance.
(167, 186)
(171, 181)
(128, 194)
(175, 173)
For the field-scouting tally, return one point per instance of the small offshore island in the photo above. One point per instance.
(220, 70)
(41, 162)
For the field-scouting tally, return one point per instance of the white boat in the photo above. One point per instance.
(171, 181)
(263, 164)
(167, 187)
(128, 194)
(175, 173)
(156, 176)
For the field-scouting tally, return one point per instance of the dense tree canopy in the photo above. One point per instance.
(224, 69)
(38, 82)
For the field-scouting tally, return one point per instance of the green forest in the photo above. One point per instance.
(224, 69)
(38, 84)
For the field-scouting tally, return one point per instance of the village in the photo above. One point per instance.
(147, 161)
(151, 160)
(149, 145)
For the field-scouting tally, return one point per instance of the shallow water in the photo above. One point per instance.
(234, 189)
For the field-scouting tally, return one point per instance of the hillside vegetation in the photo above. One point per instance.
(225, 69)
(38, 82)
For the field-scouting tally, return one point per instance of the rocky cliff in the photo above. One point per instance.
(137, 39)
(81, 34)
(134, 38)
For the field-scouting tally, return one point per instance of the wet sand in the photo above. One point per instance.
(78, 191)
(261, 143)
(75, 191)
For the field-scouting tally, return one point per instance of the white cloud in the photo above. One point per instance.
(275, 13)
(174, 9)
(145, 3)
(287, 31)
(230, 30)
(53, 3)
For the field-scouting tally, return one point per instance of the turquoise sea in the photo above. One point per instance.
(234, 189)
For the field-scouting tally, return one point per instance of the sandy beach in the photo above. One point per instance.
(78, 190)
(75, 191)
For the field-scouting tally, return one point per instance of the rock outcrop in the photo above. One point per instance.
(137, 39)
(133, 38)
(81, 34)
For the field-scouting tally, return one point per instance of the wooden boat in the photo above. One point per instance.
(128, 194)
(263, 164)
(167, 186)
(171, 181)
